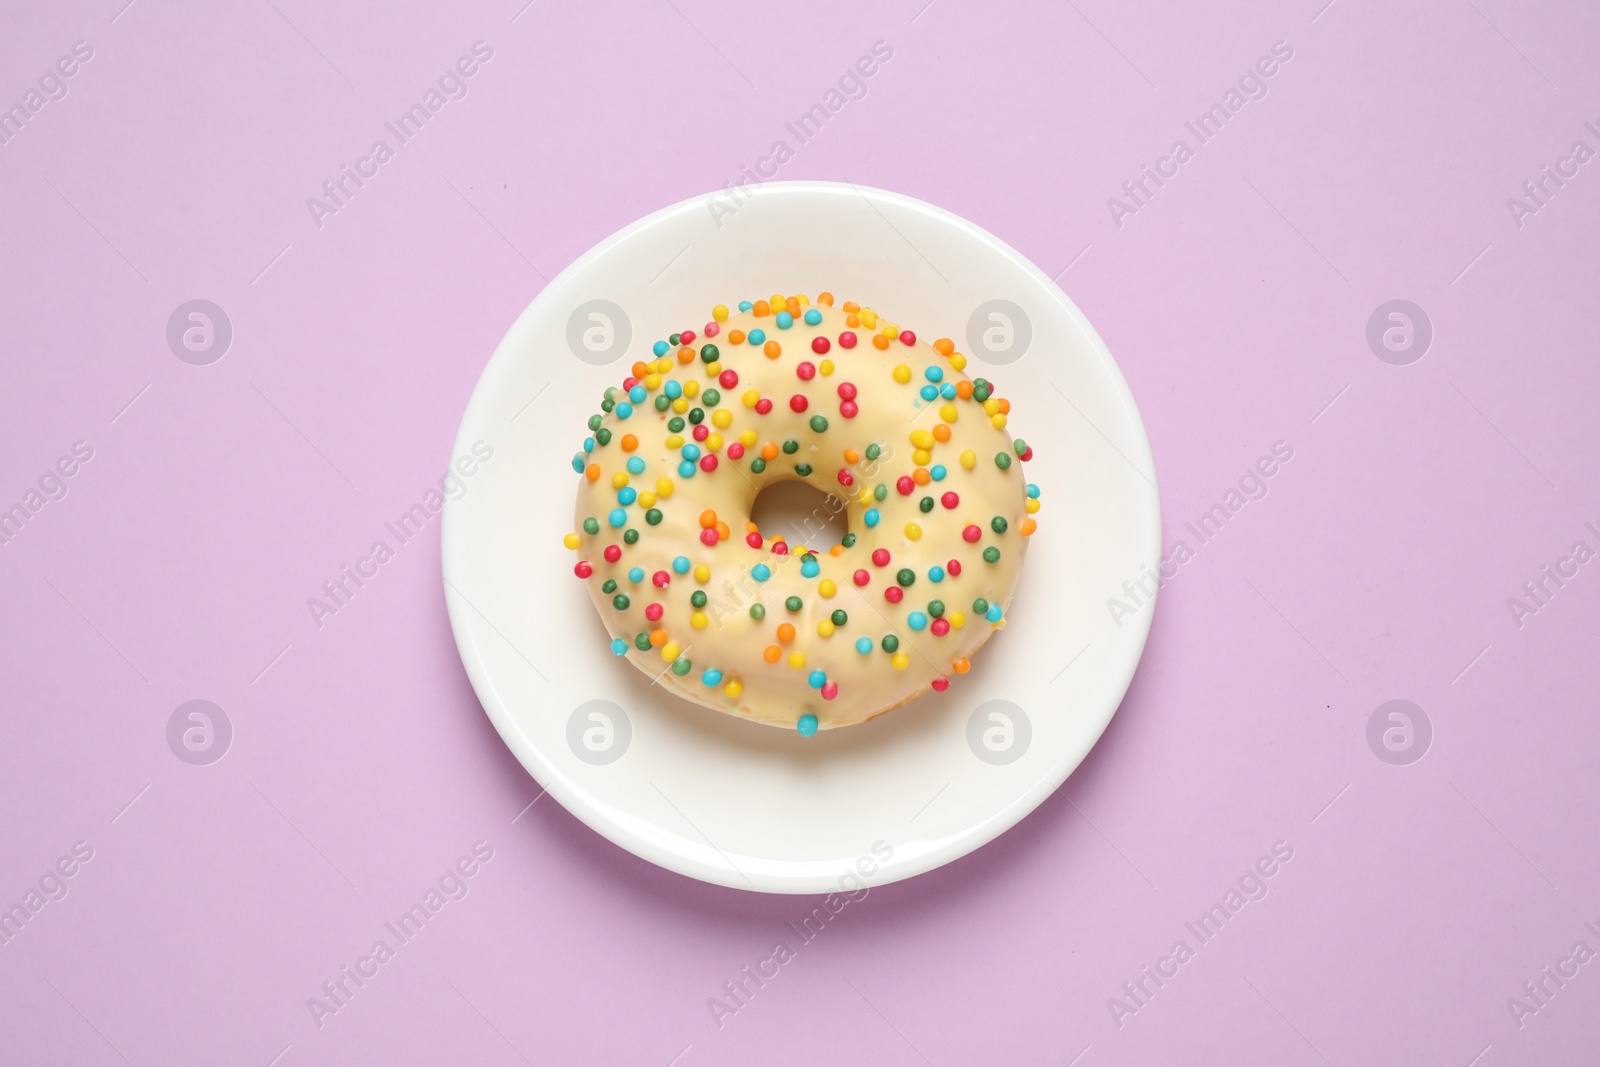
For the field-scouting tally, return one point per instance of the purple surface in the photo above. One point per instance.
(218, 498)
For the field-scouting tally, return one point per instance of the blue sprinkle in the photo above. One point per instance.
(936, 573)
(809, 568)
(636, 575)
(816, 679)
(690, 451)
(1033, 491)
(917, 620)
(785, 320)
(994, 613)
(807, 725)
(871, 517)
(933, 373)
(635, 465)
(588, 444)
(937, 472)
(673, 388)
(948, 390)
(623, 410)
(712, 677)
(681, 564)
(686, 469)
(760, 572)
(627, 495)
(864, 645)
(638, 393)
(618, 518)
(930, 392)
(619, 647)
(661, 348)
(755, 337)
(813, 316)
(745, 305)
(577, 462)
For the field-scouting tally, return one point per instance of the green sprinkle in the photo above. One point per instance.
(631, 536)
(981, 389)
(709, 353)
(591, 525)
(1002, 460)
(674, 341)
(906, 576)
(620, 602)
(803, 469)
(698, 598)
(595, 421)
(849, 540)
(1020, 447)
(653, 516)
(758, 465)
(891, 643)
(839, 617)
(602, 436)
(675, 424)
(926, 504)
(608, 586)
(697, 415)
(880, 491)
(607, 404)
(873, 451)
(991, 555)
(757, 612)
(818, 424)
(681, 666)
(642, 642)
(998, 524)
(710, 398)
(791, 446)
(936, 608)
(979, 606)
(663, 402)
(794, 603)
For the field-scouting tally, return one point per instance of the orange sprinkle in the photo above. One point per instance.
(769, 452)
(879, 341)
(640, 369)
(921, 476)
(751, 527)
(964, 390)
(708, 519)
(629, 442)
(825, 298)
(772, 653)
(962, 665)
(944, 346)
(852, 320)
(792, 305)
(736, 337)
(592, 472)
(836, 550)
(761, 307)
(723, 533)
(1005, 406)
(785, 632)
(772, 349)
(685, 355)
(850, 456)
(941, 432)
(777, 538)
(658, 638)
(1028, 526)
(851, 306)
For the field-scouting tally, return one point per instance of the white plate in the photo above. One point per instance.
(750, 806)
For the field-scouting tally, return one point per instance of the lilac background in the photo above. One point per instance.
(219, 498)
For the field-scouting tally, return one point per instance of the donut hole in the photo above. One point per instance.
(801, 514)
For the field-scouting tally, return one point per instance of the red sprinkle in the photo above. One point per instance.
(953, 568)
(847, 391)
(629, 382)
(940, 627)
(1028, 454)
(708, 536)
(613, 553)
(806, 371)
(798, 402)
(763, 406)
(819, 345)
(847, 340)
(712, 329)
(880, 557)
(830, 690)
(845, 477)
(905, 485)
(971, 534)
(583, 570)
(753, 539)
(736, 451)
(653, 612)
(728, 379)
(893, 594)
(940, 684)
(861, 577)
(779, 548)
(708, 462)
(701, 431)
(950, 500)
(686, 337)
(661, 579)
(849, 409)
(907, 337)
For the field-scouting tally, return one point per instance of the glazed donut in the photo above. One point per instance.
(801, 636)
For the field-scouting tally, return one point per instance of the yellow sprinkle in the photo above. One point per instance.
(958, 619)
(747, 438)
(733, 688)
(713, 441)
(1033, 505)
(826, 587)
(901, 661)
(805, 301)
(721, 418)
(969, 459)
(921, 457)
(675, 441)
(720, 313)
(826, 367)
(777, 302)
(619, 479)
(691, 389)
(669, 651)
(865, 495)
(571, 540)
(647, 499)
(664, 365)
(913, 531)
(948, 412)
(664, 488)
(698, 620)
(652, 382)
(921, 439)
(990, 406)
(958, 361)
(997, 421)
(890, 330)
(713, 368)
(825, 627)
(750, 398)
(797, 660)
(702, 574)
(681, 405)
(902, 374)
(869, 318)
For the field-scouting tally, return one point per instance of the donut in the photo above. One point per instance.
(762, 624)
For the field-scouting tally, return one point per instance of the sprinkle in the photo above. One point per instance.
(913, 531)
(712, 677)
(620, 602)
(969, 459)
(809, 568)
(940, 627)
(757, 611)
(744, 305)
(991, 555)
(572, 540)
(784, 320)
(806, 371)
(953, 568)
(818, 424)
(720, 312)
(998, 524)
(861, 577)
(830, 690)
(937, 472)
(734, 688)
(618, 518)
(702, 574)
(619, 647)
(827, 587)
(819, 345)
(583, 569)
(864, 645)
(901, 661)
(613, 553)
(994, 613)
(813, 316)
(785, 632)
(772, 653)
(681, 666)
(797, 660)
(798, 403)
(940, 684)
(816, 679)
(636, 574)
(936, 574)
(894, 594)
(917, 620)
(929, 392)
(902, 374)
(972, 533)
(825, 628)
(807, 726)
(794, 604)
(880, 557)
